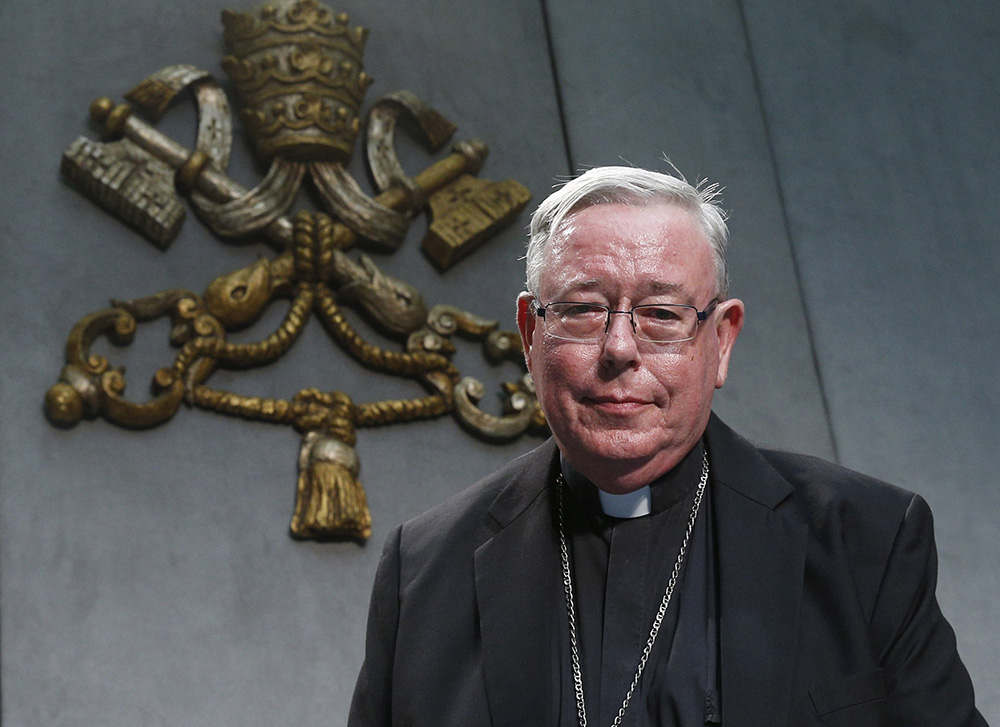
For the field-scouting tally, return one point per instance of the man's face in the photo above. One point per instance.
(623, 410)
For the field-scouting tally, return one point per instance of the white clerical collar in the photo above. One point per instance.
(629, 505)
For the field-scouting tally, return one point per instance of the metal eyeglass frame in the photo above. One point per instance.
(701, 315)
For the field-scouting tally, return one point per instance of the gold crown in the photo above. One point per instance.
(298, 69)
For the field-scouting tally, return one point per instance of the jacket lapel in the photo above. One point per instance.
(518, 588)
(761, 555)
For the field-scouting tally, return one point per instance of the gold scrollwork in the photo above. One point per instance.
(298, 67)
(317, 278)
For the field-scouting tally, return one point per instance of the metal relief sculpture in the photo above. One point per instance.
(298, 69)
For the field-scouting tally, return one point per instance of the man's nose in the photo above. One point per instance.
(619, 349)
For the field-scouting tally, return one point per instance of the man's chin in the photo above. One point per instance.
(616, 449)
(610, 453)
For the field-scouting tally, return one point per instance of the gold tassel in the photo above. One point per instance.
(330, 501)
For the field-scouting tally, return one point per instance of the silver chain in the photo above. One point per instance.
(574, 648)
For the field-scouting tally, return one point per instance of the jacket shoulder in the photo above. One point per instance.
(830, 487)
(472, 515)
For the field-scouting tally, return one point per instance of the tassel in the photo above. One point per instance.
(330, 501)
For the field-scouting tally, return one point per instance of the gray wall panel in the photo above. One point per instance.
(884, 127)
(148, 578)
(642, 80)
(883, 122)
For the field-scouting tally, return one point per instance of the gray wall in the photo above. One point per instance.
(147, 578)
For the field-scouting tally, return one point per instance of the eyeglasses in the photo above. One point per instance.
(659, 322)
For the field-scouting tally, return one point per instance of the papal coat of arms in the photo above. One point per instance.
(298, 69)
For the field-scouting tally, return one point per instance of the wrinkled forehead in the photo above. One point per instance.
(565, 226)
(655, 245)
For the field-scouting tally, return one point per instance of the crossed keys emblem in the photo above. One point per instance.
(298, 70)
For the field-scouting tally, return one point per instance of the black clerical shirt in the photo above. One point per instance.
(620, 570)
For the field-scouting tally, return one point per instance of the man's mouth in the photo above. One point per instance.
(615, 404)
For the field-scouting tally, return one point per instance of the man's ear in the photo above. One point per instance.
(730, 317)
(526, 325)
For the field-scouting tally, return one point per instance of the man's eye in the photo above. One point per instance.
(659, 314)
(580, 310)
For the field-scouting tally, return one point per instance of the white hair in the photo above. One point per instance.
(628, 185)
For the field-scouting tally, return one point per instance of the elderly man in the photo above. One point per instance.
(647, 566)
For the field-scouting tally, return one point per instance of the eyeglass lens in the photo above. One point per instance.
(585, 321)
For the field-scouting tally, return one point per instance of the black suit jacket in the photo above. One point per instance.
(826, 601)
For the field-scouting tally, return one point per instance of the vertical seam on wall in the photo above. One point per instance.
(554, 69)
(786, 223)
